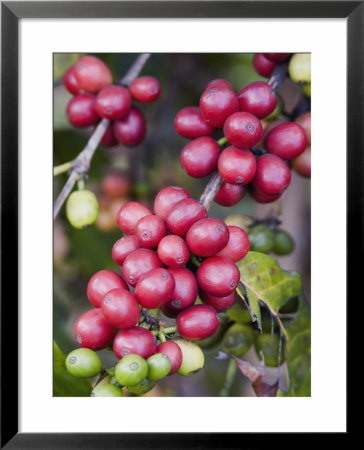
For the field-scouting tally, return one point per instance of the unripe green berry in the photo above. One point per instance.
(283, 243)
(106, 390)
(306, 89)
(82, 209)
(240, 220)
(193, 358)
(299, 68)
(238, 339)
(268, 344)
(143, 387)
(83, 363)
(159, 366)
(131, 370)
(261, 239)
(277, 110)
(239, 312)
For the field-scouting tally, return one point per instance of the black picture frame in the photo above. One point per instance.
(11, 12)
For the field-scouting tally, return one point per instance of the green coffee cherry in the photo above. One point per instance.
(299, 68)
(238, 339)
(193, 358)
(277, 110)
(261, 238)
(269, 345)
(306, 89)
(240, 220)
(143, 387)
(239, 313)
(83, 363)
(131, 370)
(159, 366)
(283, 243)
(106, 390)
(82, 209)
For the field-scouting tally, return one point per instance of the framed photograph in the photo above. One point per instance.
(163, 238)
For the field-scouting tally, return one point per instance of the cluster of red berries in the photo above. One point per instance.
(95, 97)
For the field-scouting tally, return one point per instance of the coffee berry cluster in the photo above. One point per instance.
(95, 97)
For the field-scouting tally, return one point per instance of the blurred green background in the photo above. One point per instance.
(152, 165)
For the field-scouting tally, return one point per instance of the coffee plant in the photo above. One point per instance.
(183, 290)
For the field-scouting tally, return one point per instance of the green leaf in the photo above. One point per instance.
(65, 384)
(263, 282)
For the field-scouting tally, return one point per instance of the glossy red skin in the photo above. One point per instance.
(167, 198)
(218, 276)
(287, 140)
(155, 288)
(217, 103)
(229, 194)
(123, 247)
(145, 89)
(302, 164)
(135, 340)
(190, 124)
(138, 263)
(183, 215)
(113, 102)
(170, 312)
(243, 129)
(258, 99)
(121, 309)
(130, 214)
(237, 246)
(237, 166)
(272, 176)
(263, 198)
(207, 237)
(101, 283)
(198, 322)
(276, 57)
(218, 82)
(131, 130)
(81, 111)
(150, 230)
(92, 330)
(115, 184)
(109, 138)
(92, 74)
(263, 65)
(70, 82)
(174, 353)
(173, 251)
(305, 121)
(218, 303)
(199, 157)
(185, 291)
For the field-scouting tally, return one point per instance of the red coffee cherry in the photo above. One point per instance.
(243, 129)
(70, 82)
(302, 164)
(257, 98)
(199, 157)
(287, 140)
(121, 308)
(138, 263)
(207, 237)
(167, 198)
(113, 102)
(305, 121)
(263, 198)
(101, 283)
(237, 166)
(272, 176)
(155, 288)
(109, 138)
(190, 124)
(170, 312)
(136, 341)
(92, 330)
(198, 322)
(237, 246)
(150, 230)
(145, 89)
(92, 74)
(185, 290)
(174, 353)
(263, 65)
(173, 251)
(131, 130)
(218, 276)
(130, 214)
(219, 82)
(229, 194)
(183, 215)
(116, 184)
(123, 247)
(218, 303)
(276, 57)
(81, 111)
(217, 103)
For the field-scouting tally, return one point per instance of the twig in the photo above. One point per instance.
(81, 164)
(278, 75)
(210, 191)
(229, 378)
